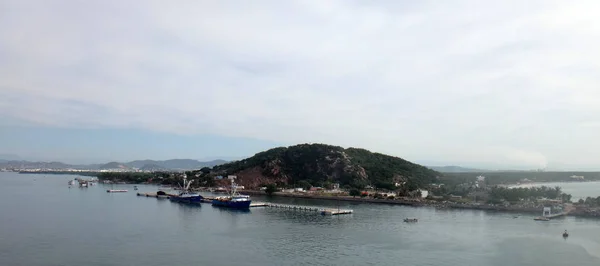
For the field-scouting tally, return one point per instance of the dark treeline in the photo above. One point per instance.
(517, 194)
(138, 177)
(589, 201)
(199, 177)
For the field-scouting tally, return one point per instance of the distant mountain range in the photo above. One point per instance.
(148, 165)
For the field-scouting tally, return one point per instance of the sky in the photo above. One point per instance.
(496, 84)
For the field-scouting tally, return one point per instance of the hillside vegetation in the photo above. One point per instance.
(324, 165)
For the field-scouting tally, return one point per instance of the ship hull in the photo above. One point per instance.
(232, 204)
(192, 199)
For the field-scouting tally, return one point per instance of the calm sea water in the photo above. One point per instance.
(43, 222)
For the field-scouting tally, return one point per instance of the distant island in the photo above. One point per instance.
(306, 166)
(321, 165)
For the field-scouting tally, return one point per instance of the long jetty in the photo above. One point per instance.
(324, 211)
(154, 195)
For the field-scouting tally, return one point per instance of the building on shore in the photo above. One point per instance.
(577, 177)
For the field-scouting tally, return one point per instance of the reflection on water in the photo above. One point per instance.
(230, 210)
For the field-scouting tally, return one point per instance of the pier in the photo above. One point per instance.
(116, 190)
(154, 195)
(323, 211)
(547, 214)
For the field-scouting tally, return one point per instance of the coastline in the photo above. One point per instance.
(579, 211)
(425, 203)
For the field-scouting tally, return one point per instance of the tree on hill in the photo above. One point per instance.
(382, 168)
(304, 184)
(271, 188)
(354, 192)
(205, 170)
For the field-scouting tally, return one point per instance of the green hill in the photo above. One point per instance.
(323, 165)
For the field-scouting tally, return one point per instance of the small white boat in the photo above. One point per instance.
(541, 218)
(71, 182)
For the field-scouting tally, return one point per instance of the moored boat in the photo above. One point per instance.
(234, 200)
(541, 218)
(186, 196)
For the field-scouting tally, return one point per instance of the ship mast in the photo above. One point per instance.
(233, 188)
(187, 188)
(186, 185)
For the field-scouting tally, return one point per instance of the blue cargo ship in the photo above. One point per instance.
(186, 196)
(234, 200)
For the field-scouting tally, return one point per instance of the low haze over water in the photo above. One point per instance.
(43, 222)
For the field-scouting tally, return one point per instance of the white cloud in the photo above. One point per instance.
(422, 79)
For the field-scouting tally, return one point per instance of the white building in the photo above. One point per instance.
(577, 177)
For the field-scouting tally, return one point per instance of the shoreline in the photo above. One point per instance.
(579, 211)
(433, 204)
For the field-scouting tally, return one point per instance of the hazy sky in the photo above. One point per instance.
(506, 83)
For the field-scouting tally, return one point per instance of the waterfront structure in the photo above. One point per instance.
(234, 200)
(186, 196)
